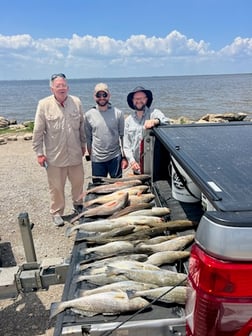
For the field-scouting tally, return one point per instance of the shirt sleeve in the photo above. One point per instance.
(83, 139)
(38, 131)
(157, 114)
(127, 143)
(88, 132)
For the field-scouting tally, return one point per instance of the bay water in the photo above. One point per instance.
(176, 96)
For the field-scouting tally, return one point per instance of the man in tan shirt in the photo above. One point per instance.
(59, 142)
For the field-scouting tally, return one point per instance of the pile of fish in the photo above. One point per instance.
(130, 251)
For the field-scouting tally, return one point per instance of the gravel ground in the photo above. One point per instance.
(24, 189)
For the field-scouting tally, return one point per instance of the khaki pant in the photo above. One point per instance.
(57, 179)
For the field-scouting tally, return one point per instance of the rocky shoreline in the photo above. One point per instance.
(16, 131)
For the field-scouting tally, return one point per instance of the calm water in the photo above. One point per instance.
(191, 96)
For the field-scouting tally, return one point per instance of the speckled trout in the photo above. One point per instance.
(161, 277)
(121, 285)
(113, 302)
(166, 294)
(166, 257)
(175, 244)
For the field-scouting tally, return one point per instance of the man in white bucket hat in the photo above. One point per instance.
(143, 117)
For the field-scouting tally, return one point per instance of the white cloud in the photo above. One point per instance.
(239, 47)
(139, 55)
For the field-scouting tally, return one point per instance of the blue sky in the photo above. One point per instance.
(115, 38)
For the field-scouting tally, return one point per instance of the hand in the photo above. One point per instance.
(151, 123)
(41, 160)
(135, 166)
(83, 150)
(124, 163)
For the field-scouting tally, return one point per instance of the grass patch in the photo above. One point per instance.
(8, 130)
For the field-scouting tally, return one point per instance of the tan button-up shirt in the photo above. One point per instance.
(59, 131)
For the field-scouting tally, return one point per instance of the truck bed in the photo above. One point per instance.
(160, 318)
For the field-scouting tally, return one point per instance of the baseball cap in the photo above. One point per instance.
(101, 87)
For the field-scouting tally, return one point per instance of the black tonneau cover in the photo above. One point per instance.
(218, 158)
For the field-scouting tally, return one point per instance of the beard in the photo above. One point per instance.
(102, 102)
(140, 107)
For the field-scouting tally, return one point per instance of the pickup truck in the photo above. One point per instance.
(202, 173)
(215, 161)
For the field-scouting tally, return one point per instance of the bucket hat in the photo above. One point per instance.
(139, 89)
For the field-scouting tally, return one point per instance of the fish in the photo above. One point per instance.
(114, 233)
(161, 277)
(137, 190)
(104, 225)
(122, 264)
(120, 285)
(142, 177)
(175, 244)
(105, 209)
(111, 248)
(109, 188)
(166, 257)
(143, 198)
(131, 208)
(154, 211)
(113, 302)
(99, 279)
(167, 294)
(84, 264)
(159, 239)
(143, 232)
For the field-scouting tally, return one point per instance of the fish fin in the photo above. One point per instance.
(55, 309)
(110, 270)
(131, 293)
(83, 312)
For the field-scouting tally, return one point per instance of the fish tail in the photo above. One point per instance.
(69, 231)
(88, 203)
(82, 196)
(55, 309)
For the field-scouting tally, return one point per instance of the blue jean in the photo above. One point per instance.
(111, 167)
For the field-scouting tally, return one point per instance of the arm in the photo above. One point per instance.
(82, 131)
(38, 135)
(88, 134)
(156, 118)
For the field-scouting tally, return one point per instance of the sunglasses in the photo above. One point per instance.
(100, 95)
(58, 75)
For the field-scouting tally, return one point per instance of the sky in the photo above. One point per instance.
(124, 38)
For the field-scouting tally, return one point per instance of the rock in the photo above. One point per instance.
(12, 137)
(4, 122)
(2, 141)
(222, 117)
(13, 122)
(28, 136)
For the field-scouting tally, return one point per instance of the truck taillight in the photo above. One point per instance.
(219, 295)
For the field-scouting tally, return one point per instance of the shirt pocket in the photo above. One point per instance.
(53, 122)
(74, 119)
